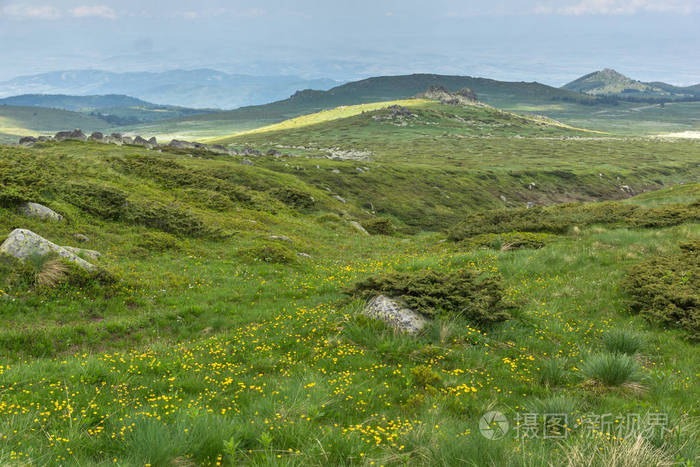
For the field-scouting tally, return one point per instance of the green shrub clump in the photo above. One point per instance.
(379, 226)
(509, 241)
(293, 198)
(268, 252)
(158, 241)
(666, 289)
(560, 218)
(463, 293)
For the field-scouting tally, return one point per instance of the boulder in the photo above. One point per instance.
(76, 134)
(339, 198)
(181, 144)
(357, 226)
(218, 149)
(127, 140)
(140, 141)
(92, 254)
(281, 238)
(96, 136)
(27, 140)
(22, 244)
(153, 141)
(43, 139)
(395, 314)
(80, 237)
(247, 162)
(39, 211)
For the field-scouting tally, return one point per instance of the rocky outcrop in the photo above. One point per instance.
(22, 244)
(445, 96)
(396, 315)
(357, 226)
(96, 136)
(27, 140)
(76, 134)
(39, 211)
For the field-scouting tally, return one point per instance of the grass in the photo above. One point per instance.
(199, 354)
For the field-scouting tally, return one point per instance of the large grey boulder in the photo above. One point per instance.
(22, 244)
(91, 254)
(27, 141)
(75, 134)
(395, 314)
(357, 226)
(39, 211)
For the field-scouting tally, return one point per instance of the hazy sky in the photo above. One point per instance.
(545, 40)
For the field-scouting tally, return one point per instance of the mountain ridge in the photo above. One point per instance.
(608, 82)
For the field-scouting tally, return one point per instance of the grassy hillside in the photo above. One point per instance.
(210, 342)
(385, 88)
(31, 121)
(573, 108)
(609, 82)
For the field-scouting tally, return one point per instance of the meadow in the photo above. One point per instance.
(220, 332)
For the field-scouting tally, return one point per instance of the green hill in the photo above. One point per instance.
(33, 121)
(385, 88)
(226, 325)
(74, 103)
(609, 82)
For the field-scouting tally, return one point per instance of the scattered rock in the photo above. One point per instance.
(39, 211)
(273, 152)
(92, 254)
(530, 205)
(440, 93)
(502, 198)
(153, 141)
(339, 198)
(247, 162)
(335, 171)
(96, 136)
(66, 135)
(395, 314)
(127, 140)
(626, 189)
(140, 141)
(357, 226)
(27, 140)
(304, 255)
(22, 243)
(282, 238)
(81, 238)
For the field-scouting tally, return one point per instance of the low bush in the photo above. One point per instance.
(463, 292)
(379, 226)
(293, 198)
(99, 200)
(157, 241)
(666, 289)
(611, 369)
(509, 241)
(269, 252)
(560, 218)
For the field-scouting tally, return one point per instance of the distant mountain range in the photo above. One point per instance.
(187, 88)
(609, 82)
(76, 103)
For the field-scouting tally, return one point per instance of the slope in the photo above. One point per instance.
(33, 121)
(211, 341)
(385, 88)
(609, 82)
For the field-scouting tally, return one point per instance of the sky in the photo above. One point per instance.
(550, 41)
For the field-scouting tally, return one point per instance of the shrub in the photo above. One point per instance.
(293, 198)
(269, 252)
(666, 289)
(611, 369)
(379, 226)
(102, 201)
(168, 218)
(11, 196)
(157, 241)
(560, 218)
(209, 199)
(425, 377)
(464, 293)
(622, 341)
(509, 241)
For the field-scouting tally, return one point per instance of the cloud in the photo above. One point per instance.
(29, 12)
(93, 11)
(620, 7)
(221, 13)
